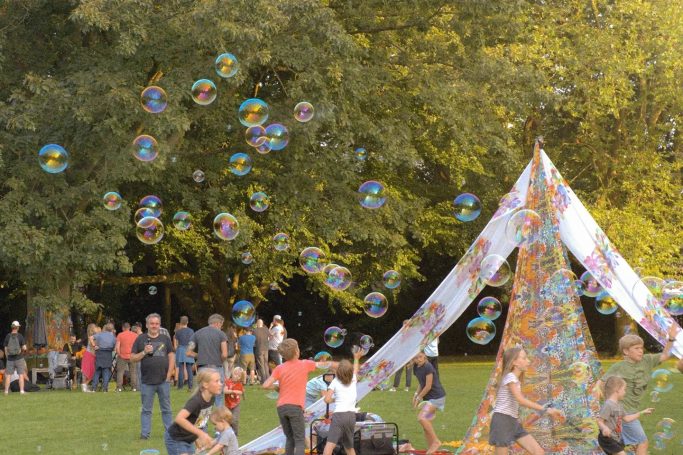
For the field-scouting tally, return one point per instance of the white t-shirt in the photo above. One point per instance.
(344, 395)
(432, 349)
(505, 402)
(277, 334)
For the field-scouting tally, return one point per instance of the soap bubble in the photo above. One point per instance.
(226, 65)
(154, 99)
(153, 203)
(490, 308)
(672, 297)
(426, 411)
(662, 380)
(259, 201)
(312, 259)
(152, 290)
(226, 226)
(141, 213)
(651, 284)
(524, 227)
(334, 336)
(371, 194)
(255, 136)
(264, 148)
(112, 200)
(659, 440)
(243, 313)
(375, 304)
(145, 148)
(366, 342)
(654, 396)
(561, 285)
(303, 111)
(605, 304)
(591, 286)
(339, 278)
(149, 230)
(182, 220)
(580, 288)
(247, 258)
(391, 279)
(467, 207)
(277, 136)
(360, 153)
(204, 92)
(53, 158)
(198, 176)
(328, 268)
(480, 331)
(253, 112)
(240, 164)
(281, 241)
(323, 357)
(494, 270)
(666, 427)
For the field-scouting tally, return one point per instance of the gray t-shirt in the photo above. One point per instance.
(228, 440)
(261, 334)
(612, 413)
(207, 344)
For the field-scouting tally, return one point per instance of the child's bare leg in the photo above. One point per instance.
(329, 447)
(641, 449)
(529, 444)
(433, 442)
(501, 451)
(350, 451)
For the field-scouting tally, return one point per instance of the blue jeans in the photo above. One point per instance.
(219, 400)
(106, 376)
(147, 392)
(181, 375)
(174, 447)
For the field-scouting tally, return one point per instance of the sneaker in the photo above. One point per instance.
(407, 389)
(393, 389)
(119, 390)
(134, 390)
(84, 387)
(22, 392)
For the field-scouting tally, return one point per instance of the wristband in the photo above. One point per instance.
(671, 340)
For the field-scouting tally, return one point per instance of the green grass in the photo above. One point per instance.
(62, 422)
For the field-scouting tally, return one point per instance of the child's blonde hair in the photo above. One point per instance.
(509, 357)
(239, 371)
(203, 377)
(221, 414)
(628, 341)
(288, 349)
(613, 384)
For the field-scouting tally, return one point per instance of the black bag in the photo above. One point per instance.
(378, 439)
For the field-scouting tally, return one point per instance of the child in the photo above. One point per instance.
(636, 369)
(342, 391)
(186, 427)
(430, 390)
(234, 389)
(611, 416)
(505, 426)
(292, 376)
(226, 442)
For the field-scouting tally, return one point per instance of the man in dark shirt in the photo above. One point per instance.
(209, 346)
(261, 333)
(72, 347)
(155, 353)
(15, 347)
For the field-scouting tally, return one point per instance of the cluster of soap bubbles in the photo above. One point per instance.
(149, 229)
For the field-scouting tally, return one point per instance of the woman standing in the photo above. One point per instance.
(104, 356)
(88, 362)
(184, 363)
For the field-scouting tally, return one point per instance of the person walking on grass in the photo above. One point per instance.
(430, 391)
(506, 428)
(15, 348)
(184, 363)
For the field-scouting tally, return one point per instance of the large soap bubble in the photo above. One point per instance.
(154, 99)
(366, 342)
(264, 148)
(53, 158)
(672, 297)
(226, 226)
(481, 331)
(204, 92)
(371, 194)
(524, 227)
(591, 286)
(562, 285)
(182, 220)
(391, 279)
(467, 207)
(149, 230)
(663, 380)
(280, 241)
(605, 303)
(489, 308)
(143, 212)
(277, 136)
(226, 65)
(666, 426)
(259, 201)
(240, 164)
(375, 304)
(243, 313)
(495, 270)
(324, 359)
(253, 112)
(312, 259)
(652, 284)
(145, 148)
(303, 111)
(153, 203)
(334, 336)
(112, 200)
(339, 278)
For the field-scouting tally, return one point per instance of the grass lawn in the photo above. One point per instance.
(63, 422)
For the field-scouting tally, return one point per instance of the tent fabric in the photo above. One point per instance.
(551, 195)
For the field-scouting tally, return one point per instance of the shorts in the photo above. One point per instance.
(15, 365)
(247, 362)
(505, 430)
(438, 403)
(632, 433)
(610, 445)
(342, 427)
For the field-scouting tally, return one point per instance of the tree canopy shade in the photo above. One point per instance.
(445, 101)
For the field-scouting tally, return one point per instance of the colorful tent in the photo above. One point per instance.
(545, 315)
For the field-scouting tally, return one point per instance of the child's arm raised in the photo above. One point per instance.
(356, 360)
(636, 416)
(666, 353)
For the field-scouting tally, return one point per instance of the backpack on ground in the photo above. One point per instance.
(13, 346)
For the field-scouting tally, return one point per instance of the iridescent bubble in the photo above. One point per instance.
(153, 203)
(253, 112)
(149, 230)
(561, 284)
(198, 176)
(247, 258)
(591, 286)
(141, 213)
(666, 427)
(334, 336)
(605, 304)
(112, 200)
(303, 111)
(255, 135)
(467, 207)
(152, 290)
(53, 158)
(329, 267)
(480, 331)
(226, 65)
(494, 270)
(240, 164)
(672, 297)
(649, 284)
(371, 195)
(426, 411)
(580, 288)
(654, 396)
(312, 259)
(663, 380)
(659, 441)
(339, 278)
(360, 153)
(366, 342)
(524, 227)
(259, 201)
(264, 148)
(204, 92)
(182, 220)
(243, 313)
(281, 241)
(226, 226)
(391, 279)
(490, 308)
(145, 148)
(154, 99)
(277, 136)
(375, 304)
(323, 357)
